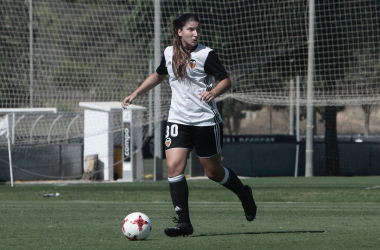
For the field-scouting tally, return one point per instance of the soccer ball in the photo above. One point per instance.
(136, 226)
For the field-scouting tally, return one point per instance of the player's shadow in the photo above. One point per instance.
(265, 232)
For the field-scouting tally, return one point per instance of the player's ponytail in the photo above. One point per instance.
(181, 56)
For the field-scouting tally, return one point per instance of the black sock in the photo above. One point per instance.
(233, 183)
(180, 196)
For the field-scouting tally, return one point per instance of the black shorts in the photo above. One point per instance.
(208, 140)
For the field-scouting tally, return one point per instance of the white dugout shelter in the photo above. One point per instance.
(107, 129)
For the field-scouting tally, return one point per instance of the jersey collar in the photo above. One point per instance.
(195, 47)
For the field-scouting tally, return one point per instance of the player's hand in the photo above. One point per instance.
(127, 101)
(207, 96)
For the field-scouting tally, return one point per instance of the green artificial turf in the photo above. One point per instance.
(293, 213)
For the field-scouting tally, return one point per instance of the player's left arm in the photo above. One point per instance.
(214, 67)
(222, 87)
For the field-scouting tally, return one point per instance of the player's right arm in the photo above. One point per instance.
(152, 81)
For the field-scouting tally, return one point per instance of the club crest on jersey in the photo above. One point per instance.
(192, 63)
(168, 141)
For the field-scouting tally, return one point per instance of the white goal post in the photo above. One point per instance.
(4, 131)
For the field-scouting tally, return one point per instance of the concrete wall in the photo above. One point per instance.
(46, 162)
(278, 158)
(255, 159)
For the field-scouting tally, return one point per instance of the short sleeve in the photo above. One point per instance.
(214, 67)
(161, 69)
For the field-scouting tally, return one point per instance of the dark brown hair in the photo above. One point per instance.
(181, 55)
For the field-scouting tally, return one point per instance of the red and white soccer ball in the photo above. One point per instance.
(136, 226)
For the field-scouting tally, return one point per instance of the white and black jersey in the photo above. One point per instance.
(186, 107)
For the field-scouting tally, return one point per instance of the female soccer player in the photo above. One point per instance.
(194, 120)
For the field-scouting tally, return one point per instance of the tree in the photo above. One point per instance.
(232, 111)
(364, 73)
(14, 54)
(339, 30)
(83, 52)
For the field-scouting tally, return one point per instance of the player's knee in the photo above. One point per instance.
(172, 170)
(170, 163)
(214, 175)
(175, 168)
